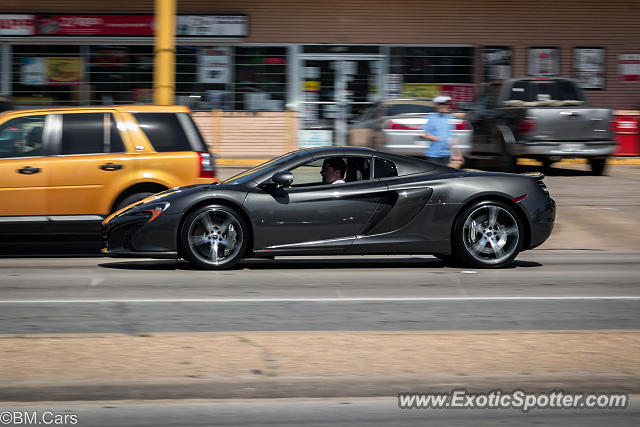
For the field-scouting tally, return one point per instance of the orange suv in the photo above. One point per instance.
(63, 170)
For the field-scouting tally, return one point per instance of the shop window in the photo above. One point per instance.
(260, 78)
(424, 64)
(43, 75)
(120, 74)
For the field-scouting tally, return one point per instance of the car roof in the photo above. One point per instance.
(419, 101)
(131, 108)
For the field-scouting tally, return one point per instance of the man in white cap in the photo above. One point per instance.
(438, 130)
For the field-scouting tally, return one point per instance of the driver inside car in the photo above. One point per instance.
(333, 170)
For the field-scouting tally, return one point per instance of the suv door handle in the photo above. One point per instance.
(28, 170)
(110, 167)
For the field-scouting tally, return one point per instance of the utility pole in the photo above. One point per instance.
(164, 68)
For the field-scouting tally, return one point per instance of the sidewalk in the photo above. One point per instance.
(313, 364)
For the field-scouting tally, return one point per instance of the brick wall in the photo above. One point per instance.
(248, 134)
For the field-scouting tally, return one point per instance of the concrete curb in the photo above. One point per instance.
(314, 387)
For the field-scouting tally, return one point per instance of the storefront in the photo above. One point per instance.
(326, 62)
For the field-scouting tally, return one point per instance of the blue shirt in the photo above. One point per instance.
(440, 126)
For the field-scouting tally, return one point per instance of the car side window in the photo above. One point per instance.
(22, 137)
(82, 133)
(384, 168)
(309, 174)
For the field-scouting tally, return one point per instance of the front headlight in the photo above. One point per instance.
(152, 210)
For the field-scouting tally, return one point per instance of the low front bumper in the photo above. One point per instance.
(565, 149)
(132, 235)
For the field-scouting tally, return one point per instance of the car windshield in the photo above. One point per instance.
(395, 109)
(252, 173)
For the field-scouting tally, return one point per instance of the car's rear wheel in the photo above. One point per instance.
(487, 234)
(214, 237)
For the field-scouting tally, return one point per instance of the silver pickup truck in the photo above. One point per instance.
(544, 119)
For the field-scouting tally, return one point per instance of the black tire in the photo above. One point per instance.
(597, 166)
(496, 224)
(131, 199)
(214, 237)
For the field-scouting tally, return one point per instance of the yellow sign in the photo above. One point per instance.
(311, 86)
(64, 71)
(420, 90)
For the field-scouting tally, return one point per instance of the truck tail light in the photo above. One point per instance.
(207, 165)
(526, 125)
(390, 124)
(463, 125)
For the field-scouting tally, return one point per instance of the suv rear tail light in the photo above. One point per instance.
(526, 125)
(463, 125)
(207, 165)
(390, 124)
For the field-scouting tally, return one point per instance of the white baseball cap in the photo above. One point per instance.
(442, 99)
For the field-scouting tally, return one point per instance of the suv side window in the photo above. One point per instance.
(82, 133)
(384, 169)
(115, 144)
(164, 131)
(22, 137)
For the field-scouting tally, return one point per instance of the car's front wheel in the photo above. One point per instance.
(214, 237)
(488, 234)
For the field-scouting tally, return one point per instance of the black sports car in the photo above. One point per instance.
(376, 203)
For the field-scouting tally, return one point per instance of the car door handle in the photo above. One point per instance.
(28, 170)
(110, 167)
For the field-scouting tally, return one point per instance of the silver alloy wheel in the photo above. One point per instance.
(215, 236)
(490, 234)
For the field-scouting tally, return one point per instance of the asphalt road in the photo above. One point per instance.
(543, 290)
(329, 413)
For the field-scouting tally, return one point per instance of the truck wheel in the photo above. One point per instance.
(597, 166)
(506, 161)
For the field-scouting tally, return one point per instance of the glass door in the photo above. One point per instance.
(333, 91)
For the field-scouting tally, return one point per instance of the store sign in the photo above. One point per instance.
(543, 61)
(120, 25)
(497, 63)
(16, 25)
(458, 92)
(214, 65)
(588, 64)
(308, 138)
(212, 25)
(93, 25)
(33, 71)
(64, 71)
(629, 67)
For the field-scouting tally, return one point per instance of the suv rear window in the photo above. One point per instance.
(165, 131)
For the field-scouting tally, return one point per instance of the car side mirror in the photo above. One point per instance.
(283, 178)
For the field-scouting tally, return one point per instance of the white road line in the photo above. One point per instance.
(371, 299)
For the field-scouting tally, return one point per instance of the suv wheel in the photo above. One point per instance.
(214, 237)
(487, 234)
(131, 199)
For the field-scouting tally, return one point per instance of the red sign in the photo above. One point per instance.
(89, 25)
(459, 93)
(16, 25)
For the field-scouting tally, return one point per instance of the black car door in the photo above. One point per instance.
(312, 217)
